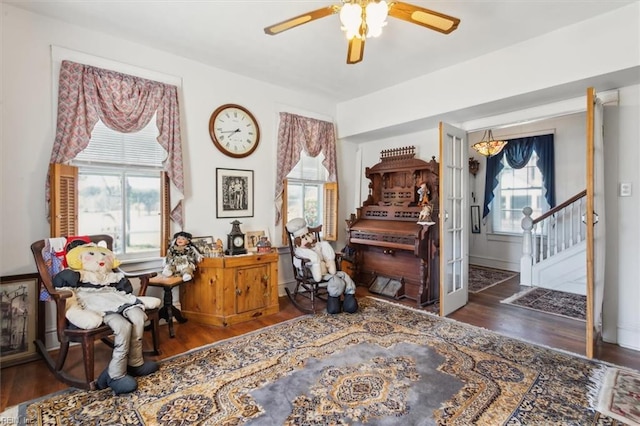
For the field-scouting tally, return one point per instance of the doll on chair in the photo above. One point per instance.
(321, 255)
(104, 295)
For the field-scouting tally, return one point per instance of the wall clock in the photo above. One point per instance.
(234, 130)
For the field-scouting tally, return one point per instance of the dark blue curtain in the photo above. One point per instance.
(518, 152)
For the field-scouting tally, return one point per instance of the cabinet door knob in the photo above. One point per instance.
(238, 291)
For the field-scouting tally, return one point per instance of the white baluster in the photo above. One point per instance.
(563, 236)
(571, 225)
(526, 261)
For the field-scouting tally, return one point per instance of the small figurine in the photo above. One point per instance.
(218, 251)
(264, 245)
(427, 208)
(182, 257)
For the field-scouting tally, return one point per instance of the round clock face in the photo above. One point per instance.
(238, 242)
(234, 130)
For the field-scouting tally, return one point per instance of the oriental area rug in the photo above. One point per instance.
(554, 302)
(386, 364)
(481, 278)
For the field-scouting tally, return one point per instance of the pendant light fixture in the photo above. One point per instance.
(488, 146)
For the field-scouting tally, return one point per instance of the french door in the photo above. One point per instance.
(454, 219)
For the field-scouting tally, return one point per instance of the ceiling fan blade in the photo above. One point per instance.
(301, 19)
(425, 17)
(355, 52)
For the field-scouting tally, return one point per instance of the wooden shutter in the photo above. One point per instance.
(165, 213)
(330, 214)
(63, 204)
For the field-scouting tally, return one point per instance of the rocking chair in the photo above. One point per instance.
(68, 333)
(309, 295)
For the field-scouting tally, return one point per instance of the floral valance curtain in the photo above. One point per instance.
(518, 153)
(124, 103)
(295, 134)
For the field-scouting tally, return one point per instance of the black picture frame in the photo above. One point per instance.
(234, 193)
(19, 316)
(475, 219)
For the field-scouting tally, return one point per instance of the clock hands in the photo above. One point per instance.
(230, 131)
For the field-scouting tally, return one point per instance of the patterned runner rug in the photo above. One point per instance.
(387, 364)
(481, 277)
(551, 301)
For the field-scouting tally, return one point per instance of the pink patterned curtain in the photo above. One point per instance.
(124, 103)
(297, 133)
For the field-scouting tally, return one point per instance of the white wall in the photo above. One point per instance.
(622, 159)
(29, 123)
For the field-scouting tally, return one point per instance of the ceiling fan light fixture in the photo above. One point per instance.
(351, 19)
(376, 14)
(488, 146)
(361, 19)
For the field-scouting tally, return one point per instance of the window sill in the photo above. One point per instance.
(146, 264)
(504, 237)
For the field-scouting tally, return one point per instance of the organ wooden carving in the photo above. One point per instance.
(385, 234)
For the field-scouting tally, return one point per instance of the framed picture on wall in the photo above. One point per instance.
(19, 318)
(475, 219)
(234, 193)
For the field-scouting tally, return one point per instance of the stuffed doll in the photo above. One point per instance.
(102, 295)
(341, 284)
(182, 257)
(319, 253)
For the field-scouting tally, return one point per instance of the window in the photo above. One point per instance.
(310, 196)
(517, 188)
(119, 190)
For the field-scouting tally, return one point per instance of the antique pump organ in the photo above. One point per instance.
(390, 237)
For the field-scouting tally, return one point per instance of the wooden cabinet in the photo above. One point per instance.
(232, 289)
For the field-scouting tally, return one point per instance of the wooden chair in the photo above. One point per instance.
(67, 333)
(309, 295)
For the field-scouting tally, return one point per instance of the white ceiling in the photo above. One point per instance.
(229, 35)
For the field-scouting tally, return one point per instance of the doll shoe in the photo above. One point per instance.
(145, 369)
(124, 384)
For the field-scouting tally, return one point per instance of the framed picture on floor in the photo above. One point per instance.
(19, 318)
(234, 193)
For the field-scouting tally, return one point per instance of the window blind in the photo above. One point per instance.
(111, 147)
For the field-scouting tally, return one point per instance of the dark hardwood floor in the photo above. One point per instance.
(32, 380)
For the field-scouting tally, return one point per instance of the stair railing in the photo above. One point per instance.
(551, 233)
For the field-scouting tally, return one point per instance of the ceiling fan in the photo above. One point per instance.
(365, 18)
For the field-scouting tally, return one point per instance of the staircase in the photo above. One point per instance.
(553, 247)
